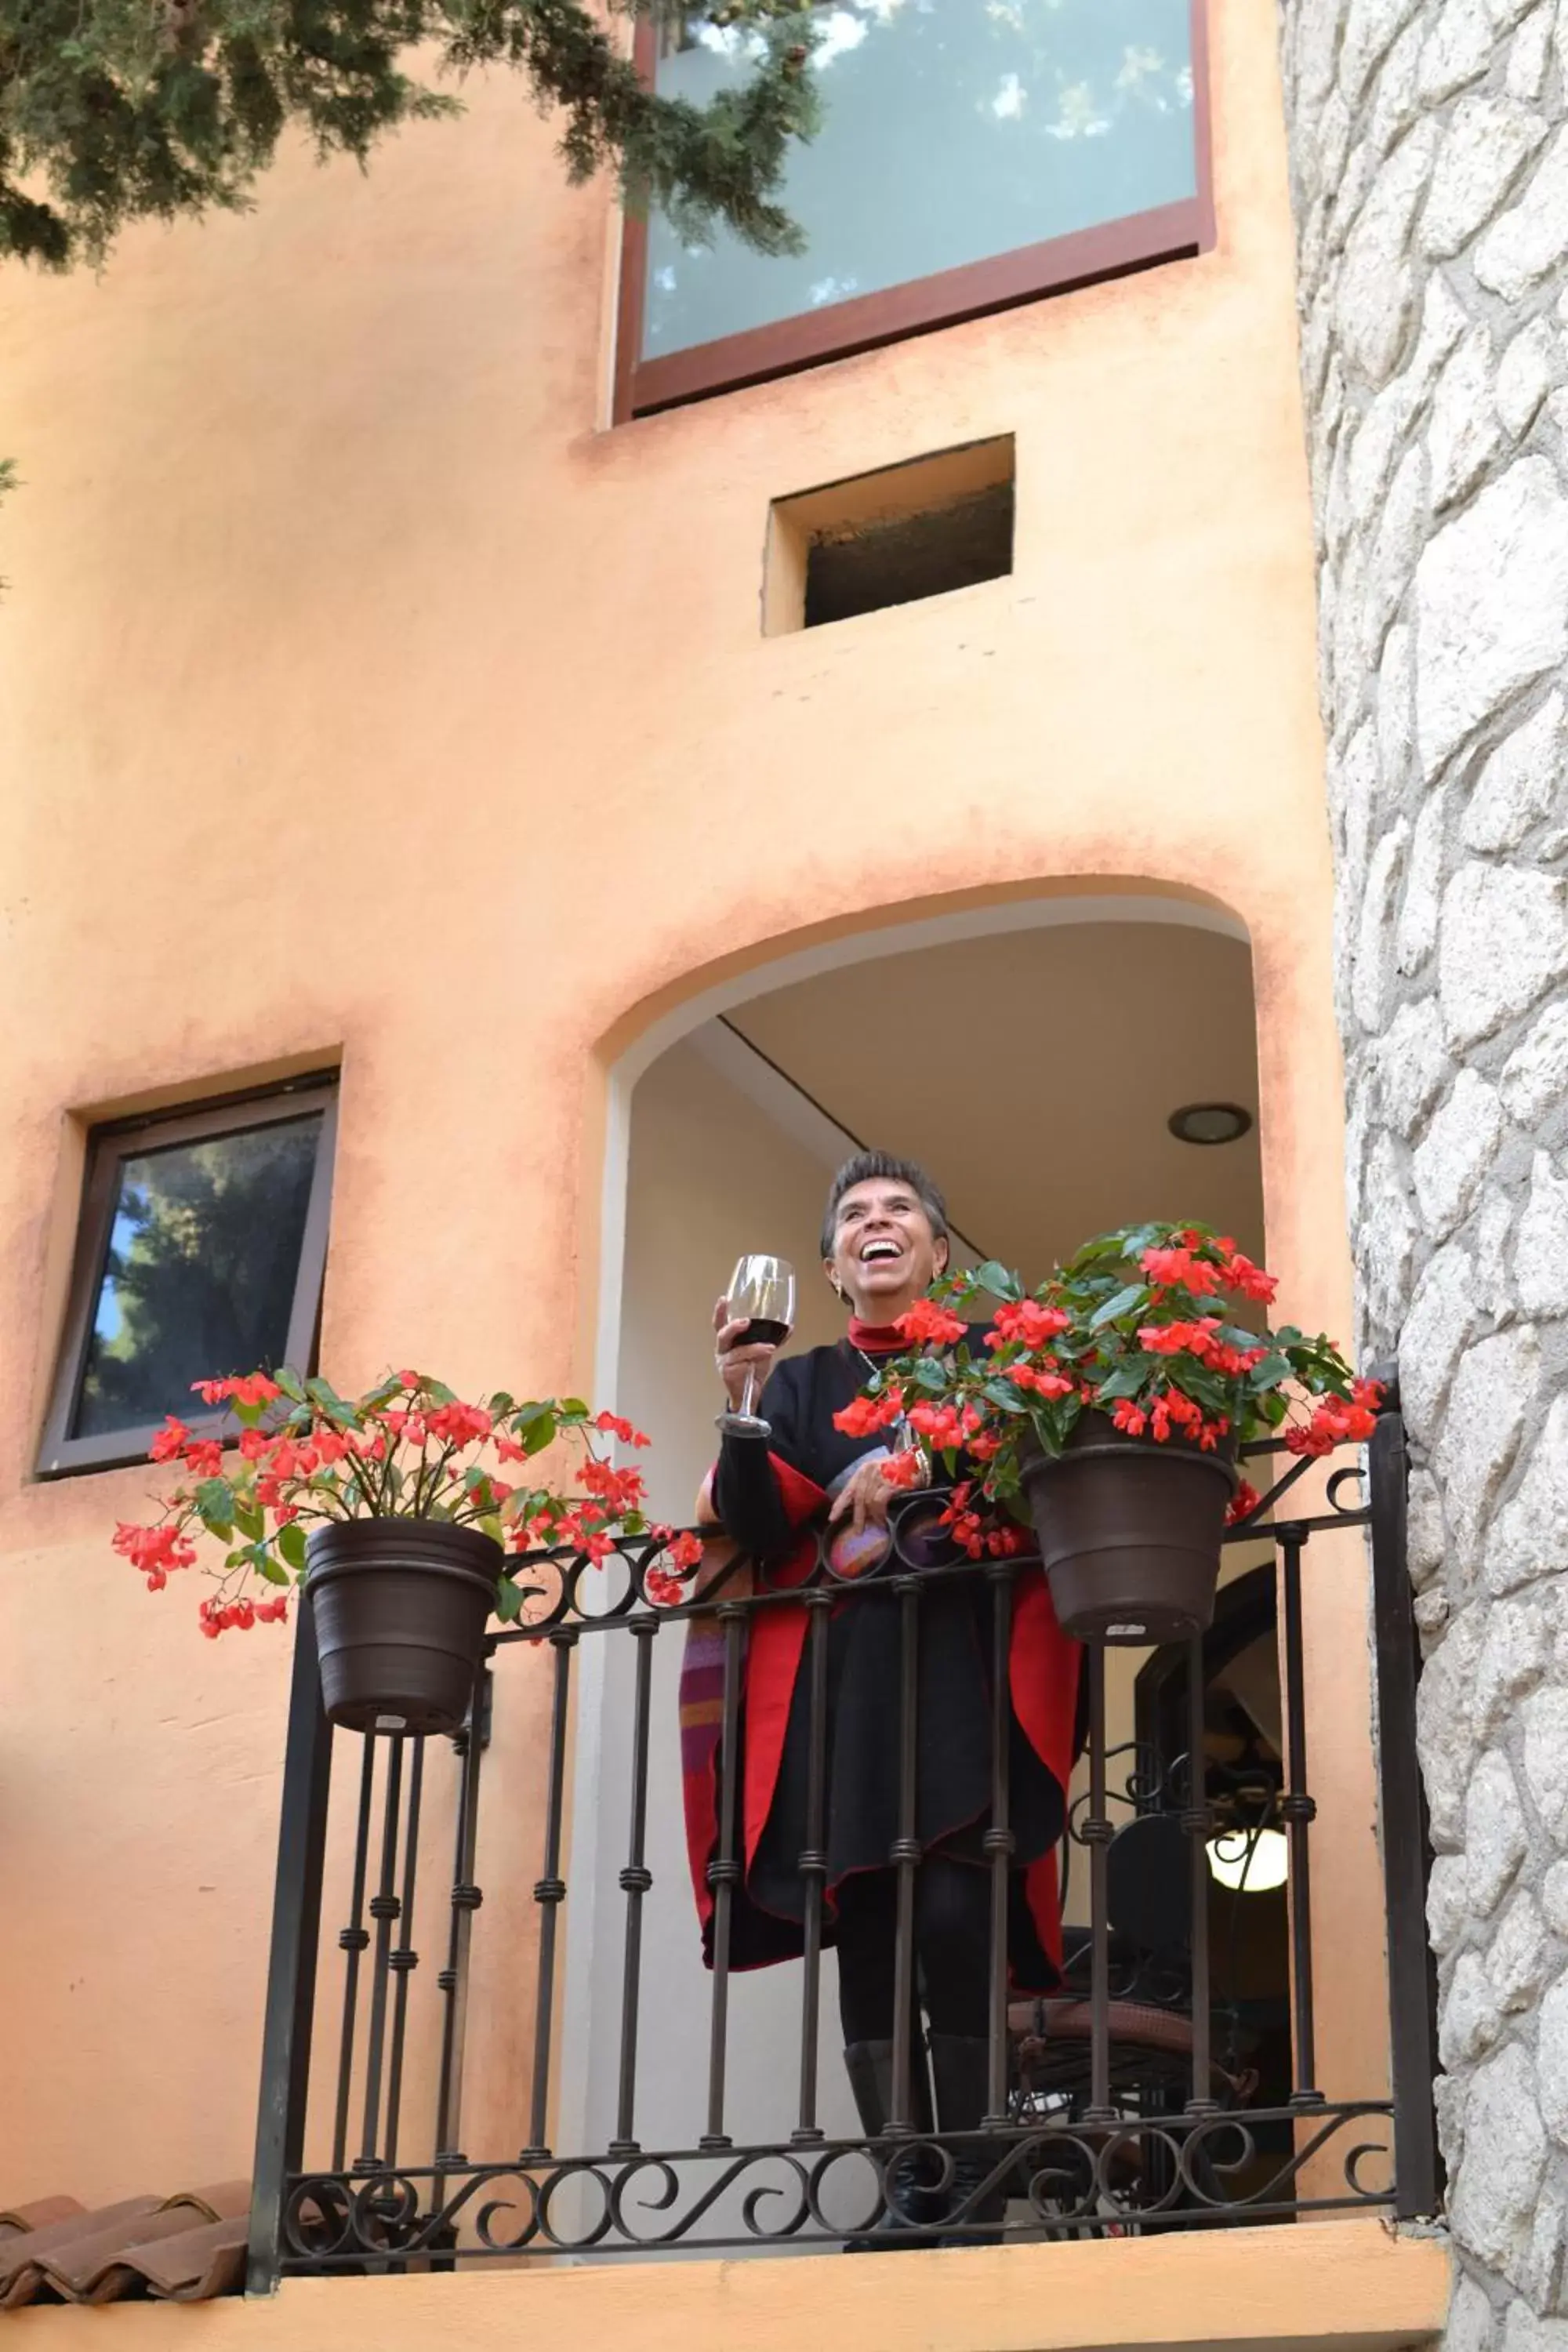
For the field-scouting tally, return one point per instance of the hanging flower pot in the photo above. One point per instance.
(401, 1607)
(1107, 1408)
(1128, 1531)
(392, 1509)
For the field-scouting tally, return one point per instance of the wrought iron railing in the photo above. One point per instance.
(1125, 2104)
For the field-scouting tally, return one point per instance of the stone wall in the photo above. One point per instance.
(1429, 158)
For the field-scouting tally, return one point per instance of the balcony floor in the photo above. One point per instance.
(1355, 2284)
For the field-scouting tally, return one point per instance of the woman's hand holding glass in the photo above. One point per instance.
(744, 1365)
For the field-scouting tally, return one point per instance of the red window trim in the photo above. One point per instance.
(1057, 264)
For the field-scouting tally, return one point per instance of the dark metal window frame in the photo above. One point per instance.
(1057, 264)
(108, 1148)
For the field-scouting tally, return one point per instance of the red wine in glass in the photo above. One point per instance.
(761, 1295)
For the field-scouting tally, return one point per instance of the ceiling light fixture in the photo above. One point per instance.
(1209, 1122)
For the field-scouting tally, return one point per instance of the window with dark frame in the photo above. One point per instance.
(1072, 141)
(200, 1251)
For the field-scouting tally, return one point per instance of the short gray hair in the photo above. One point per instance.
(862, 1170)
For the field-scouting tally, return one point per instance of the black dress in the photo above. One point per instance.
(954, 1681)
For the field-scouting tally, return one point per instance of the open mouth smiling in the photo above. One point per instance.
(878, 1252)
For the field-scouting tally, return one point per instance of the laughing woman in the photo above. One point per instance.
(884, 1242)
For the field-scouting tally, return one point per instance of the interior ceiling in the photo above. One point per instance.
(1033, 1073)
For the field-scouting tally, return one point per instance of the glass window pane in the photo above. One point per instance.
(204, 1253)
(953, 131)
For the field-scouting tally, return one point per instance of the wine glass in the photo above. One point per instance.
(761, 1295)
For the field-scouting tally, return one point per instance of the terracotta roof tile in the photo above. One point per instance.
(185, 2248)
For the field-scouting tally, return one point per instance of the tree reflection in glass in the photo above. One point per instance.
(953, 131)
(203, 1259)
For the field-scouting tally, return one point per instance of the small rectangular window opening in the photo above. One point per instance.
(890, 537)
(200, 1251)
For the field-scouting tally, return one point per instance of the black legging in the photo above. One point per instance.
(952, 1929)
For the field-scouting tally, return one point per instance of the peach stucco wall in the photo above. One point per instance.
(359, 691)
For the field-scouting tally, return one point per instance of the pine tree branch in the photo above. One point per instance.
(116, 110)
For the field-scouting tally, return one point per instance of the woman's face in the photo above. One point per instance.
(885, 1254)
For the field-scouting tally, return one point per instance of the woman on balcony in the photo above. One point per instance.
(884, 1242)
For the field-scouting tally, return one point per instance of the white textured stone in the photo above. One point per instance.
(1494, 1224)
(1398, 89)
(1524, 2330)
(1401, 528)
(1541, 1262)
(1498, 2177)
(1374, 295)
(1396, 703)
(1518, 782)
(1529, 1538)
(1554, 1898)
(1459, 48)
(1493, 1390)
(1522, 245)
(1516, 1651)
(1518, 1961)
(1445, 1729)
(1418, 933)
(1469, 2326)
(1426, 1539)
(1527, 59)
(1469, 2018)
(1431, 1611)
(1535, 1075)
(1411, 1064)
(1465, 431)
(1496, 1839)
(1503, 940)
(1449, 1901)
(1541, 2278)
(1373, 973)
(1371, 27)
(1448, 2097)
(1491, 604)
(1460, 1145)
(1524, 376)
(1489, 142)
(1443, 1314)
(1551, 2063)
(1545, 1717)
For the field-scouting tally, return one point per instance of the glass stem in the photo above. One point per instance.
(749, 1399)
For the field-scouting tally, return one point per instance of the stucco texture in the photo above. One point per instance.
(360, 694)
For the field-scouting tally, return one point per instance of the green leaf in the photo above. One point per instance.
(534, 1436)
(250, 1519)
(272, 1572)
(998, 1279)
(247, 1415)
(1122, 1302)
(509, 1600)
(440, 1391)
(289, 1381)
(1126, 1380)
(1269, 1372)
(572, 1409)
(291, 1544)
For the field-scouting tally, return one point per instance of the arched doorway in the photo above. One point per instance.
(1032, 1056)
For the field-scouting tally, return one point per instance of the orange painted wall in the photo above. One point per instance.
(360, 691)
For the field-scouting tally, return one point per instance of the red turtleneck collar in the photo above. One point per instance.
(876, 1338)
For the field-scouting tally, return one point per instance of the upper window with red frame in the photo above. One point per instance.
(973, 153)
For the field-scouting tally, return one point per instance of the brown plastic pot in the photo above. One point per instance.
(1129, 1533)
(401, 1607)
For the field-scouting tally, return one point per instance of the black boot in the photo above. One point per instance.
(910, 2205)
(961, 2068)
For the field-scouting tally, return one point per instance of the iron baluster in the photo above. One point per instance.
(291, 1959)
(384, 1910)
(724, 1872)
(1096, 1835)
(1298, 1811)
(1406, 1840)
(813, 1863)
(352, 1942)
(905, 1853)
(1198, 1821)
(405, 1960)
(635, 1880)
(464, 1900)
(550, 1892)
(999, 1840)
